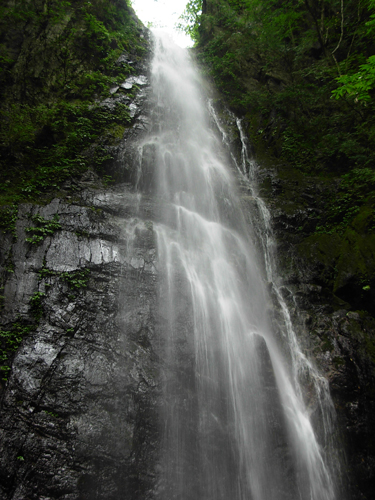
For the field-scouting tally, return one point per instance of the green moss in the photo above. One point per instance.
(43, 229)
(370, 347)
(117, 131)
(364, 221)
(345, 264)
(10, 340)
(51, 125)
(356, 259)
(337, 361)
(321, 248)
(327, 344)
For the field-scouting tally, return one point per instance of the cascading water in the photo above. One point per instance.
(234, 422)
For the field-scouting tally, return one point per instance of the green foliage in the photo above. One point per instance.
(358, 85)
(36, 305)
(107, 180)
(10, 340)
(190, 19)
(97, 36)
(75, 279)
(43, 229)
(8, 218)
(51, 414)
(52, 126)
(371, 23)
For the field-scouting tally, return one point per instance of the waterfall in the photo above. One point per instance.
(234, 421)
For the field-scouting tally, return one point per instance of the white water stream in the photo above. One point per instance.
(235, 425)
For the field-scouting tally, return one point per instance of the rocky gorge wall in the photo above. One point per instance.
(78, 351)
(77, 411)
(338, 334)
(78, 404)
(316, 275)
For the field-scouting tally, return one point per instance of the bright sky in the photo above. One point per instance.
(163, 14)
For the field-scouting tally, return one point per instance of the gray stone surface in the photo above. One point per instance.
(78, 412)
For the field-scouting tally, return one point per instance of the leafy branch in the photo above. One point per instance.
(360, 84)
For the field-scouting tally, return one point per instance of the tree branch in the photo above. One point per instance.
(342, 26)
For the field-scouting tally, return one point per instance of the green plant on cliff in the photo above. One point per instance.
(42, 229)
(10, 340)
(52, 81)
(76, 280)
(8, 218)
(36, 305)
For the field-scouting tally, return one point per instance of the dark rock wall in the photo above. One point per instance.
(337, 332)
(79, 386)
(330, 309)
(78, 411)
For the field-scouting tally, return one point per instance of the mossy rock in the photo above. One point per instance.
(344, 263)
(323, 251)
(355, 277)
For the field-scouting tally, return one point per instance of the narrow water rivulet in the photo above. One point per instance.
(235, 422)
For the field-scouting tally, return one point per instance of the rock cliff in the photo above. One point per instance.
(78, 409)
(79, 365)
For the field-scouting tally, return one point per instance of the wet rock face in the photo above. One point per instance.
(78, 413)
(332, 310)
(343, 345)
(79, 389)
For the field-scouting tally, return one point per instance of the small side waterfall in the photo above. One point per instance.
(302, 371)
(234, 421)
